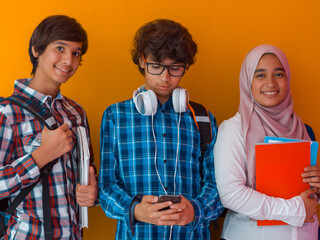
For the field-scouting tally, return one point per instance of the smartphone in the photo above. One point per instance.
(166, 198)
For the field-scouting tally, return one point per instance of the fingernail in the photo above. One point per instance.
(69, 123)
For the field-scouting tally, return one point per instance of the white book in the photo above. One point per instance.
(84, 170)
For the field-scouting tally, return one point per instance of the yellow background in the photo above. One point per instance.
(225, 31)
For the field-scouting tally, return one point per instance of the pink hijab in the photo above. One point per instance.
(258, 121)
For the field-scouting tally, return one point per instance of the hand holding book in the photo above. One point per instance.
(279, 165)
(310, 204)
(87, 190)
(311, 176)
(87, 194)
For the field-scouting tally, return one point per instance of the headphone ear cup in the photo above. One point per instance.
(146, 102)
(180, 99)
(153, 102)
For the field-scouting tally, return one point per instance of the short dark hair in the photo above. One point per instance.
(163, 38)
(53, 28)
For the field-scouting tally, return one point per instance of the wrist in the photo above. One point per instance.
(40, 157)
(133, 209)
(135, 205)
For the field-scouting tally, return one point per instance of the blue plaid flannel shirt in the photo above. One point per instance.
(127, 168)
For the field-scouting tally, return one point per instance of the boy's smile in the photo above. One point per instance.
(58, 63)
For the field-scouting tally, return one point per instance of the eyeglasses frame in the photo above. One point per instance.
(164, 67)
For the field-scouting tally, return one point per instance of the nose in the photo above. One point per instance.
(67, 58)
(164, 76)
(271, 80)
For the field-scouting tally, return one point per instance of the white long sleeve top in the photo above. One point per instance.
(245, 204)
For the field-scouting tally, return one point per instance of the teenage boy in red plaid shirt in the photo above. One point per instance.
(55, 49)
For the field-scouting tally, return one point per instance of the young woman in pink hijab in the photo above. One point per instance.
(266, 109)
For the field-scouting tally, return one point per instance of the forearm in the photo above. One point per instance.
(207, 205)
(258, 206)
(231, 176)
(114, 201)
(21, 173)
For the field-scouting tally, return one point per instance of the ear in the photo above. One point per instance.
(141, 63)
(34, 52)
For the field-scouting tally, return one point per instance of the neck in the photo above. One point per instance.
(162, 100)
(44, 87)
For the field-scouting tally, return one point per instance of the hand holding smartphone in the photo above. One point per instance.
(166, 198)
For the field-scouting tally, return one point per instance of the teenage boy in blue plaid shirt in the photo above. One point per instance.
(55, 49)
(150, 145)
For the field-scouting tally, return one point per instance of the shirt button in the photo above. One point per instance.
(166, 188)
(162, 111)
(165, 161)
(164, 135)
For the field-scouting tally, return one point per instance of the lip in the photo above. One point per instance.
(63, 69)
(164, 86)
(270, 93)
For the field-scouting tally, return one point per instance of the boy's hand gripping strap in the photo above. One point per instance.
(46, 118)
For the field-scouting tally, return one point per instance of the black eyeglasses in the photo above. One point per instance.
(157, 69)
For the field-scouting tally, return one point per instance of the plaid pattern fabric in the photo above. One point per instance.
(127, 168)
(20, 134)
(33, 107)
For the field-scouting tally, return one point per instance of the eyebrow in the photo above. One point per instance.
(156, 62)
(263, 70)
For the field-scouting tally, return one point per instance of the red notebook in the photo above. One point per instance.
(278, 171)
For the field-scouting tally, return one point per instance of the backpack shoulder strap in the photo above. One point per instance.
(38, 111)
(310, 132)
(202, 120)
(46, 118)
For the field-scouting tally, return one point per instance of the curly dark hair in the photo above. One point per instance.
(53, 28)
(163, 38)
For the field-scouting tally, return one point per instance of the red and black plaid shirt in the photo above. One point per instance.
(20, 134)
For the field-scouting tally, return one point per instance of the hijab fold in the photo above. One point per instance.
(258, 121)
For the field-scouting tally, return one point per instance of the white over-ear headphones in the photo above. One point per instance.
(146, 101)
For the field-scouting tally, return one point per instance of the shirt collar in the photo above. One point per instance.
(168, 105)
(21, 88)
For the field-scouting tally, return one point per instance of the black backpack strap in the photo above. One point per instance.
(202, 120)
(310, 132)
(4, 201)
(18, 199)
(48, 234)
(38, 111)
(46, 118)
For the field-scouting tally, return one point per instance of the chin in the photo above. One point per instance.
(61, 80)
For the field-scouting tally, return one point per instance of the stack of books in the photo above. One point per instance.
(279, 165)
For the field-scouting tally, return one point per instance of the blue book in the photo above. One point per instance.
(313, 146)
